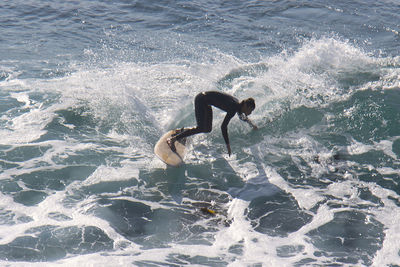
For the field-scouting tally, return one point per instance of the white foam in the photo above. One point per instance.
(388, 215)
(346, 191)
(162, 89)
(306, 198)
(26, 127)
(22, 97)
(110, 174)
(241, 232)
(308, 77)
(358, 148)
(29, 122)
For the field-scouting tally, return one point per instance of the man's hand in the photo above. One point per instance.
(228, 146)
(251, 124)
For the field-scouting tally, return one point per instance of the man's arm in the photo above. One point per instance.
(244, 118)
(224, 129)
(252, 124)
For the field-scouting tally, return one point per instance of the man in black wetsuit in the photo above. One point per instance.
(203, 111)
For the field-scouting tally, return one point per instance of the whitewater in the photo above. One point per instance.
(87, 88)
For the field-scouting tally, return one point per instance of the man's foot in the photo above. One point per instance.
(178, 131)
(171, 143)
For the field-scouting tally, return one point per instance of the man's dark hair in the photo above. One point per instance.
(251, 103)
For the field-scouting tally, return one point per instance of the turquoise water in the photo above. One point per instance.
(88, 87)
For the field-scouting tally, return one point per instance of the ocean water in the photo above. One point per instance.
(87, 88)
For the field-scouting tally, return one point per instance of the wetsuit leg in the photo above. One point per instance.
(205, 121)
(203, 114)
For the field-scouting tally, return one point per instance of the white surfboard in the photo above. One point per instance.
(164, 152)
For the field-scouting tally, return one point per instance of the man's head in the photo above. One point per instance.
(247, 106)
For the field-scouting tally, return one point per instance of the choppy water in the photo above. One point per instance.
(88, 87)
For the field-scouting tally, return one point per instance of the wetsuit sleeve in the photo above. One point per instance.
(224, 126)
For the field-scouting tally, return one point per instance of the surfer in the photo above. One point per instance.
(203, 111)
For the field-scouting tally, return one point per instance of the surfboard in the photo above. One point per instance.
(164, 152)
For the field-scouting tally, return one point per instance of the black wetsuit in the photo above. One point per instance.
(202, 105)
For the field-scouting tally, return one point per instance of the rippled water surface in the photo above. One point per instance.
(88, 87)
